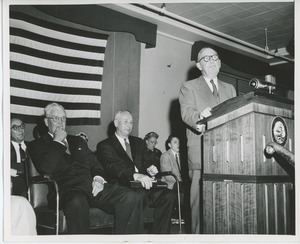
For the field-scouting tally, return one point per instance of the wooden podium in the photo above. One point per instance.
(243, 191)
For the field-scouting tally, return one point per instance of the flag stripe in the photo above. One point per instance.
(15, 15)
(30, 60)
(35, 78)
(53, 72)
(71, 121)
(52, 62)
(54, 89)
(53, 56)
(54, 96)
(41, 104)
(70, 113)
(55, 42)
(55, 49)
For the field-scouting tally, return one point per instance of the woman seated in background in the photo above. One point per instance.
(170, 161)
(152, 154)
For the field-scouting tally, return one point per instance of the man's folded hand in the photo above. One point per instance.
(152, 170)
(145, 180)
(98, 185)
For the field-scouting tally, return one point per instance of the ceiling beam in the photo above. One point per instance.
(183, 28)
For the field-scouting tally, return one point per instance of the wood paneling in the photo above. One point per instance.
(243, 191)
(246, 208)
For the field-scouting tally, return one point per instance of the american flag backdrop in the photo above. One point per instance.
(51, 62)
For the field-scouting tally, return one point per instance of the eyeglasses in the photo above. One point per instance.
(214, 57)
(57, 119)
(18, 127)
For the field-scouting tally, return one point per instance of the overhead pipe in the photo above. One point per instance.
(165, 13)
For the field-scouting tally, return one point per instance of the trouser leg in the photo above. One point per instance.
(76, 210)
(125, 204)
(128, 214)
(163, 200)
(195, 176)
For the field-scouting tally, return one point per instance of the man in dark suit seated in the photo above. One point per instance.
(80, 178)
(18, 158)
(123, 158)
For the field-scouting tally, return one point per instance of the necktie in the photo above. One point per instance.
(177, 161)
(179, 168)
(67, 146)
(24, 163)
(215, 91)
(22, 153)
(128, 149)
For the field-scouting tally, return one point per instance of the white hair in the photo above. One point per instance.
(52, 106)
(119, 113)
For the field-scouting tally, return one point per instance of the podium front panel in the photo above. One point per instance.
(244, 192)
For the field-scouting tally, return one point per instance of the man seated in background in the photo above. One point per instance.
(81, 179)
(170, 161)
(18, 158)
(152, 154)
(123, 158)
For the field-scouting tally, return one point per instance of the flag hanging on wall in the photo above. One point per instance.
(51, 62)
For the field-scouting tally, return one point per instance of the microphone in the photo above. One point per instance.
(256, 84)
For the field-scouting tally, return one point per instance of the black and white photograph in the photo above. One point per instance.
(148, 122)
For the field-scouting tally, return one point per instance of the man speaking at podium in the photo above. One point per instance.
(196, 98)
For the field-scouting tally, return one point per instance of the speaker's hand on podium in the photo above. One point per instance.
(200, 127)
(205, 113)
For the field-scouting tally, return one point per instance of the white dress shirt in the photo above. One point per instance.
(122, 141)
(17, 149)
(210, 85)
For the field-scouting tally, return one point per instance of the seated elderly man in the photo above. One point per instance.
(123, 158)
(81, 179)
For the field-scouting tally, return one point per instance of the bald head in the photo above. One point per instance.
(208, 62)
(123, 122)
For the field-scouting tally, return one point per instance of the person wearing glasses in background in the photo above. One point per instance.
(18, 155)
(152, 154)
(81, 178)
(197, 97)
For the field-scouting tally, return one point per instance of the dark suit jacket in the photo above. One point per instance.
(118, 165)
(19, 182)
(152, 158)
(72, 172)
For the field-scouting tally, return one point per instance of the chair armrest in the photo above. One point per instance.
(165, 173)
(168, 173)
(46, 179)
(39, 179)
